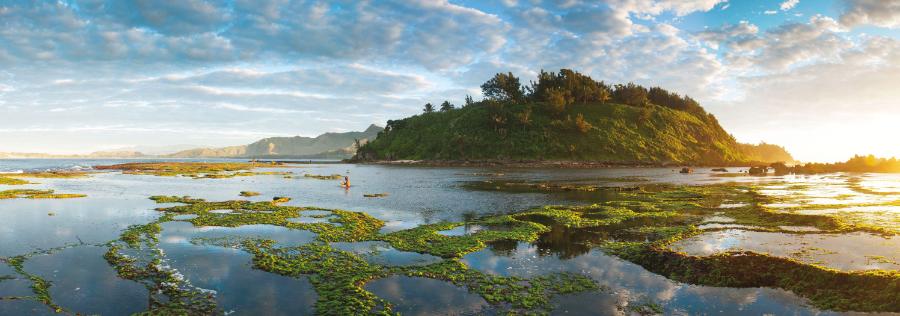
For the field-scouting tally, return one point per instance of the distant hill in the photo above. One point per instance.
(305, 146)
(328, 145)
(231, 151)
(99, 154)
(767, 153)
(565, 116)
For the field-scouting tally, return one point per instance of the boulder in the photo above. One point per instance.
(759, 170)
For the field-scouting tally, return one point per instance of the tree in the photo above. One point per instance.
(630, 94)
(604, 95)
(556, 101)
(469, 100)
(575, 87)
(504, 88)
(428, 108)
(447, 106)
(524, 117)
(645, 114)
(581, 125)
(662, 97)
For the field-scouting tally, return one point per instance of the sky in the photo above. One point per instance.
(820, 77)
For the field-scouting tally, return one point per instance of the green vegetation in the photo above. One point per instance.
(39, 286)
(47, 174)
(324, 177)
(36, 194)
(564, 116)
(12, 181)
(353, 226)
(280, 199)
(545, 186)
(339, 276)
(197, 170)
(173, 295)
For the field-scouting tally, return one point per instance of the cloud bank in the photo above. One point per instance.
(81, 75)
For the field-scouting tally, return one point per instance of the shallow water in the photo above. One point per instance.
(239, 288)
(314, 216)
(422, 296)
(183, 233)
(417, 195)
(628, 283)
(852, 251)
(85, 283)
(379, 252)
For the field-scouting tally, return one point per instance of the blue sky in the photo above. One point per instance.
(818, 76)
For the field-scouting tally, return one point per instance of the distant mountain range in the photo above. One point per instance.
(328, 145)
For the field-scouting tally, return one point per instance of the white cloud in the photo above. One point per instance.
(885, 13)
(825, 111)
(788, 4)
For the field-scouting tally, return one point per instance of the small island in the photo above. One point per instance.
(567, 116)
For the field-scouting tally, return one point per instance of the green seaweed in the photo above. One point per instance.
(13, 181)
(324, 177)
(39, 286)
(36, 194)
(196, 170)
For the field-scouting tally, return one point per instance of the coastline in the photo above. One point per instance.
(559, 164)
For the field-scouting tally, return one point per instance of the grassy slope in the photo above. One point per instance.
(617, 135)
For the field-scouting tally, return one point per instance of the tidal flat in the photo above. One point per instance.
(168, 238)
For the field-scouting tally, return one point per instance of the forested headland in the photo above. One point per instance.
(569, 116)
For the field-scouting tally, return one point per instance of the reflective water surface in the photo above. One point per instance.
(64, 239)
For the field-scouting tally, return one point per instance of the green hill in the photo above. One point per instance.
(766, 153)
(328, 145)
(307, 146)
(522, 124)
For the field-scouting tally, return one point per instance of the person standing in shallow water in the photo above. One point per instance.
(346, 182)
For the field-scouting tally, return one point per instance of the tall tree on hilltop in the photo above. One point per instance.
(429, 108)
(556, 101)
(447, 106)
(504, 88)
(574, 86)
(630, 94)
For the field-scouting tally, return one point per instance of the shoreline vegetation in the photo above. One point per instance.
(574, 164)
(858, 163)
